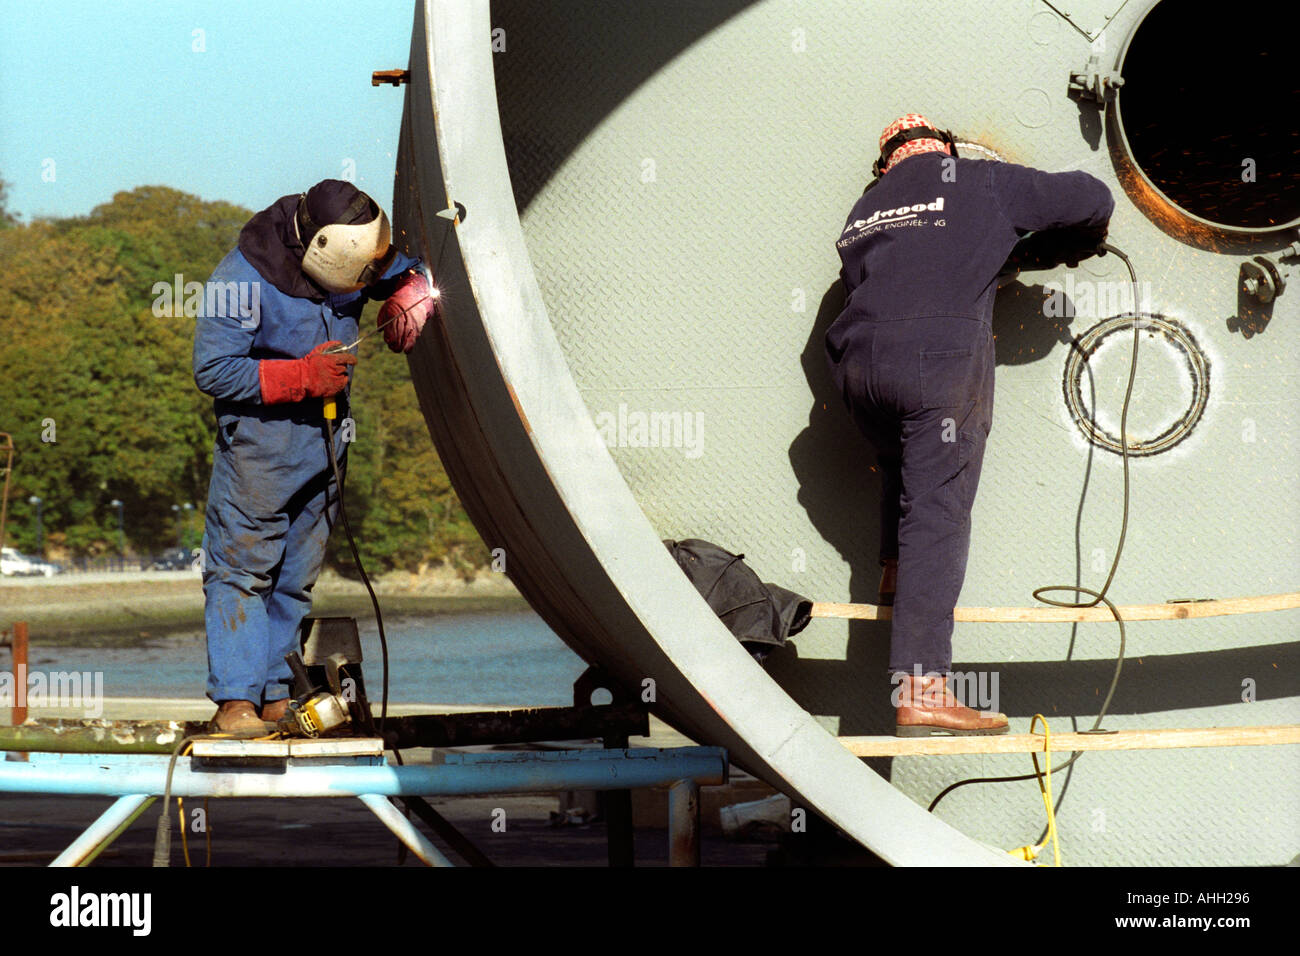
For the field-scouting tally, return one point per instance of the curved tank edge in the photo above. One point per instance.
(526, 459)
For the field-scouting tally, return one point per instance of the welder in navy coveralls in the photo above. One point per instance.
(311, 261)
(912, 356)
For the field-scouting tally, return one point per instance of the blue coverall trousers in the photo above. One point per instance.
(921, 390)
(263, 550)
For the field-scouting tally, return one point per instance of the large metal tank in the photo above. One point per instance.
(634, 302)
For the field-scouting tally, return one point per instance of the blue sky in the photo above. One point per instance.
(271, 97)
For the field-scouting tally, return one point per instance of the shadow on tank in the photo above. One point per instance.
(1022, 333)
(839, 489)
(562, 85)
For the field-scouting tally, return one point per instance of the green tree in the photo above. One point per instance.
(100, 398)
(400, 501)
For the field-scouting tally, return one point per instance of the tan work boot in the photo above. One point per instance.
(888, 581)
(274, 710)
(927, 708)
(238, 718)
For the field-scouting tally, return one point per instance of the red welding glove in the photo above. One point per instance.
(403, 315)
(315, 375)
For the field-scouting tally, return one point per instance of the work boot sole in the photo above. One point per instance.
(247, 732)
(925, 730)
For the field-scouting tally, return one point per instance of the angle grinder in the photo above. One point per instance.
(314, 710)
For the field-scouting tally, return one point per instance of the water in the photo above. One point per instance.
(489, 659)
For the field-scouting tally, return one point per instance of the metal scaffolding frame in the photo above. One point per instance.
(290, 769)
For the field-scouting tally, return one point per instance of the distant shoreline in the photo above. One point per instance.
(111, 609)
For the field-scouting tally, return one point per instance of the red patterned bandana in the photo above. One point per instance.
(913, 148)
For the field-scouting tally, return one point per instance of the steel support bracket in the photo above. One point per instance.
(1094, 83)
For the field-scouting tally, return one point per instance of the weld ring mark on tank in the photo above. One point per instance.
(1086, 345)
(964, 149)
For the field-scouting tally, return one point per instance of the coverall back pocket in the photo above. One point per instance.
(947, 378)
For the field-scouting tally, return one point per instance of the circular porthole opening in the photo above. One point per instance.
(1209, 114)
(1169, 394)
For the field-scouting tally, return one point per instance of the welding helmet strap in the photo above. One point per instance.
(906, 136)
(308, 227)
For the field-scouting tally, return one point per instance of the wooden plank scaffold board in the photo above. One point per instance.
(1152, 739)
(1169, 611)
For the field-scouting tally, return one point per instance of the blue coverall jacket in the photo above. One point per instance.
(272, 498)
(912, 356)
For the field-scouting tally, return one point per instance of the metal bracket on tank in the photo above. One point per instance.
(1092, 82)
(1263, 277)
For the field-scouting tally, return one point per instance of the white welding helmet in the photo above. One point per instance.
(346, 255)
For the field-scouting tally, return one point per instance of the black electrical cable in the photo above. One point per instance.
(1098, 597)
(343, 511)
(162, 840)
(356, 556)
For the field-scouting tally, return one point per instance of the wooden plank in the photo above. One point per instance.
(1175, 611)
(328, 747)
(1067, 742)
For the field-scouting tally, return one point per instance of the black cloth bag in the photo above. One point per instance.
(761, 616)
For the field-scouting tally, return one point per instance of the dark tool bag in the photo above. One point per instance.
(761, 616)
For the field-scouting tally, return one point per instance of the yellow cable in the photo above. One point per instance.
(1030, 853)
(207, 824)
(1046, 785)
(185, 843)
(180, 813)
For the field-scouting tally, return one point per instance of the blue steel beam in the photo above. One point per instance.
(459, 775)
(404, 830)
(103, 831)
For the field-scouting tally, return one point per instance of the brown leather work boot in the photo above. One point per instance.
(238, 718)
(925, 707)
(888, 581)
(274, 710)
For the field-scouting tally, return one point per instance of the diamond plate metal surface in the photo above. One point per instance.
(682, 172)
(1089, 17)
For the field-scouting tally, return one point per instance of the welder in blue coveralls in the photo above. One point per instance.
(912, 356)
(298, 278)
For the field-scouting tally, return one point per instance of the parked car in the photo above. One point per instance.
(14, 563)
(173, 559)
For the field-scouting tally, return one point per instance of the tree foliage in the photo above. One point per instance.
(100, 400)
(397, 491)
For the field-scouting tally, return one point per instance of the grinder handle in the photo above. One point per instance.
(302, 685)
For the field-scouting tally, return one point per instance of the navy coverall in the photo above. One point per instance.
(912, 356)
(272, 484)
